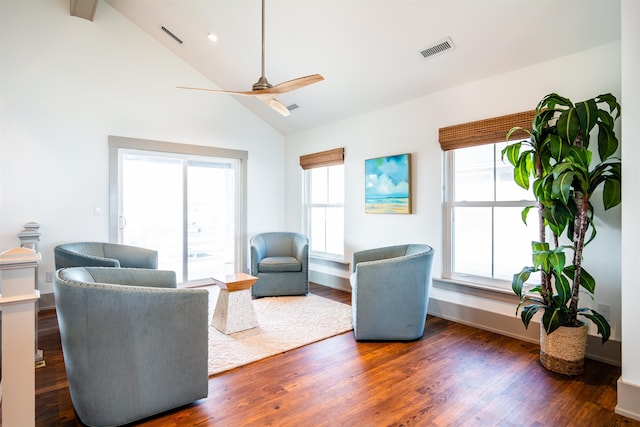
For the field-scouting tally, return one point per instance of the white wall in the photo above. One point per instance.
(629, 383)
(67, 83)
(413, 127)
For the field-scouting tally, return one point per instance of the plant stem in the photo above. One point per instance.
(579, 233)
(580, 229)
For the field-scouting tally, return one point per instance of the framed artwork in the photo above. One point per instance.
(388, 185)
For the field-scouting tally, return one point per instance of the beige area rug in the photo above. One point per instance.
(284, 323)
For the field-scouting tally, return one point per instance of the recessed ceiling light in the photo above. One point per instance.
(212, 37)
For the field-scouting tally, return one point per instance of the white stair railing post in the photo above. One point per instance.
(18, 299)
(29, 238)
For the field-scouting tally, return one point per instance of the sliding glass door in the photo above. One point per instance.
(184, 206)
(210, 217)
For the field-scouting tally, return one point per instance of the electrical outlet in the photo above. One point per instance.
(605, 310)
(49, 277)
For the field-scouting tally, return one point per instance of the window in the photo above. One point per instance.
(324, 202)
(187, 202)
(488, 239)
(485, 239)
(325, 209)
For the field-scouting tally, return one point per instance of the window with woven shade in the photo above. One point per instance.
(322, 159)
(486, 241)
(324, 202)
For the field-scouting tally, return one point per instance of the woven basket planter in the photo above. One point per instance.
(563, 350)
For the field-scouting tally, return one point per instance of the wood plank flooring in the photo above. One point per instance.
(455, 375)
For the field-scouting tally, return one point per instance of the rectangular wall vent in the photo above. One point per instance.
(292, 107)
(438, 48)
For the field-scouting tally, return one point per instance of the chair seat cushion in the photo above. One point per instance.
(279, 263)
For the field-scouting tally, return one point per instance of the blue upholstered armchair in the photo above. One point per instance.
(280, 261)
(390, 292)
(100, 254)
(133, 344)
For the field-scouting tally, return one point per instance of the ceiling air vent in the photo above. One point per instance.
(438, 48)
(170, 34)
(292, 107)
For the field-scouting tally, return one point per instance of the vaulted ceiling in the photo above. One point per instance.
(369, 51)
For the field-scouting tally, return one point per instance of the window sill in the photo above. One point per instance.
(329, 261)
(476, 289)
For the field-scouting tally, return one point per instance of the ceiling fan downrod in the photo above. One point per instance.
(262, 82)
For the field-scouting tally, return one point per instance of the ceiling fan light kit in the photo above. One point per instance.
(265, 91)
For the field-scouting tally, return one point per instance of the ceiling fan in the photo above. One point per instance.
(265, 91)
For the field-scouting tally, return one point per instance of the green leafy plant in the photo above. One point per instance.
(558, 166)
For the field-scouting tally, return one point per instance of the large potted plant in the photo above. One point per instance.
(557, 164)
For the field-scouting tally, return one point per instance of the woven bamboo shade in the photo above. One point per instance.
(486, 131)
(324, 158)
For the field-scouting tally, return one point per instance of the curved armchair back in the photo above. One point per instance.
(390, 292)
(280, 261)
(133, 344)
(101, 254)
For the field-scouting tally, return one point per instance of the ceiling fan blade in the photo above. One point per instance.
(295, 84)
(262, 95)
(231, 92)
(279, 88)
(275, 104)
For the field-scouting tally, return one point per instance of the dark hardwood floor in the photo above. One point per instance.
(455, 375)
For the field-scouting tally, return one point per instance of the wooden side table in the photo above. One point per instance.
(234, 310)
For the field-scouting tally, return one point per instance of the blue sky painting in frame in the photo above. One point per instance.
(388, 184)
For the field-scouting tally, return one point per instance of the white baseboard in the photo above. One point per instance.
(330, 273)
(330, 280)
(628, 400)
(511, 326)
(46, 302)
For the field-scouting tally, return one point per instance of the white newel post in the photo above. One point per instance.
(18, 298)
(29, 238)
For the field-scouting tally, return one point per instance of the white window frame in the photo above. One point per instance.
(449, 227)
(308, 206)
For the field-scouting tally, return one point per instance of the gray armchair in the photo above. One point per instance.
(390, 292)
(280, 261)
(133, 344)
(100, 254)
